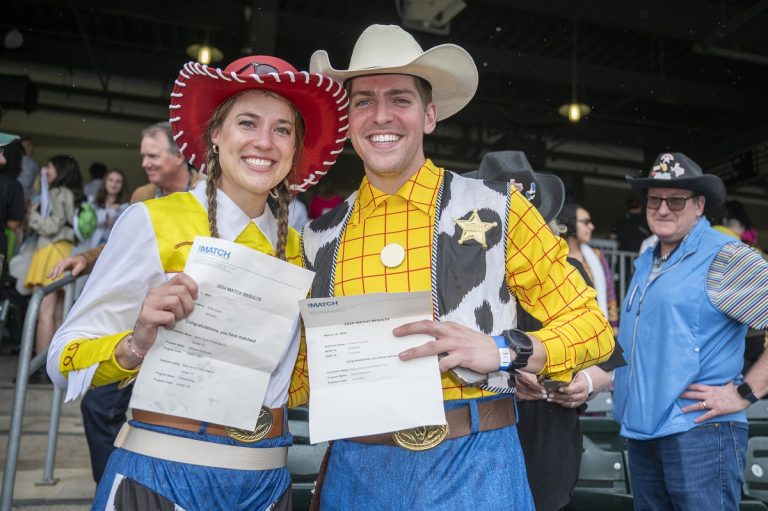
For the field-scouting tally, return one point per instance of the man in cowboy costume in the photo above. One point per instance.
(479, 246)
(681, 399)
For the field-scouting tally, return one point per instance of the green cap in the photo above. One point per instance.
(7, 138)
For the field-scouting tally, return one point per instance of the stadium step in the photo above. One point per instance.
(75, 487)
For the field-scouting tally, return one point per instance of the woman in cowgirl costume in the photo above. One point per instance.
(259, 128)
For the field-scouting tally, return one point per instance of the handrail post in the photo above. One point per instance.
(20, 393)
(19, 398)
(56, 402)
(53, 437)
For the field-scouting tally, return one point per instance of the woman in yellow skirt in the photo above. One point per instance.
(55, 238)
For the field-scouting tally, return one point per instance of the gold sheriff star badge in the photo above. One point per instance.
(474, 229)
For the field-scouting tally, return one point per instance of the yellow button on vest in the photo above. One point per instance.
(392, 255)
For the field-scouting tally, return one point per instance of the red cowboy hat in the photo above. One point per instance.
(322, 102)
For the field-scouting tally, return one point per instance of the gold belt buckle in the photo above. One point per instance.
(263, 427)
(421, 438)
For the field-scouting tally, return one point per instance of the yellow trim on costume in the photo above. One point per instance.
(83, 353)
(110, 371)
(175, 237)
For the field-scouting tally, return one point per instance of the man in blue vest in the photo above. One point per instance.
(681, 399)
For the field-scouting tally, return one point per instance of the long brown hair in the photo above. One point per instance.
(214, 168)
(101, 194)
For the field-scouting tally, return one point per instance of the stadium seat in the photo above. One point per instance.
(601, 470)
(756, 469)
(303, 458)
(601, 403)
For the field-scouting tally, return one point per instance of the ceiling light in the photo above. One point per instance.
(205, 53)
(574, 110)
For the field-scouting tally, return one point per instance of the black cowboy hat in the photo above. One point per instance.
(676, 170)
(548, 193)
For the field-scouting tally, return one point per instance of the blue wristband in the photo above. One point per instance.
(505, 353)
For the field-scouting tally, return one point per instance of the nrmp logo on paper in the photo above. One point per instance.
(315, 305)
(216, 251)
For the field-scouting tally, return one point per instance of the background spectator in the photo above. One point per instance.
(681, 400)
(29, 168)
(11, 195)
(579, 228)
(55, 240)
(110, 200)
(739, 222)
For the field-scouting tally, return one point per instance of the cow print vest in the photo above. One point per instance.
(468, 281)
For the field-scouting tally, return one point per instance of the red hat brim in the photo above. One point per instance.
(199, 89)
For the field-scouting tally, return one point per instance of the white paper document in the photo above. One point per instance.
(358, 385)
(215, 365)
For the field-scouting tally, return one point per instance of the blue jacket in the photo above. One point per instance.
(672, 336)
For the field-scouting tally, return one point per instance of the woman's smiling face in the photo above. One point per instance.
(256, 144)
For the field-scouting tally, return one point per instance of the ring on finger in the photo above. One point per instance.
(572, 404)
(703, 405)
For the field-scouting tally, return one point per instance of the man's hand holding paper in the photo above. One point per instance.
(359, 386)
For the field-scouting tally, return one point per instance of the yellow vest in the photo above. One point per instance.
(178, 218)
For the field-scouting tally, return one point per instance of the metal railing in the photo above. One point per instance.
(26, 366)
(621, 262)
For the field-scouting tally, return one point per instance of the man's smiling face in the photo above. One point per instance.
(388, 121)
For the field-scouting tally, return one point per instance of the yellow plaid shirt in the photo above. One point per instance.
(575, 333)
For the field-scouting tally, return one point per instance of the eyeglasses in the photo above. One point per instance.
(259, 69)
(673, 203)
(585, 221)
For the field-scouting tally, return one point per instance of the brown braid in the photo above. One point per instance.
(212, 184)
(283, 201)
(212, 161)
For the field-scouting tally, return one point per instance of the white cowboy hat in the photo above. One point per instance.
(388, 49)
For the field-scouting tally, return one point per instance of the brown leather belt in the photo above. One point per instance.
(495, 414)
(270, 424)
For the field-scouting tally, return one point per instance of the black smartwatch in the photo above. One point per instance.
(745, 391)
(521, 344)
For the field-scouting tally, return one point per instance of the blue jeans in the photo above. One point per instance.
(483, 470)
(698, 469)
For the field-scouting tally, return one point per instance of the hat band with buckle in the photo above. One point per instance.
(269, 425)
(493, 414)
